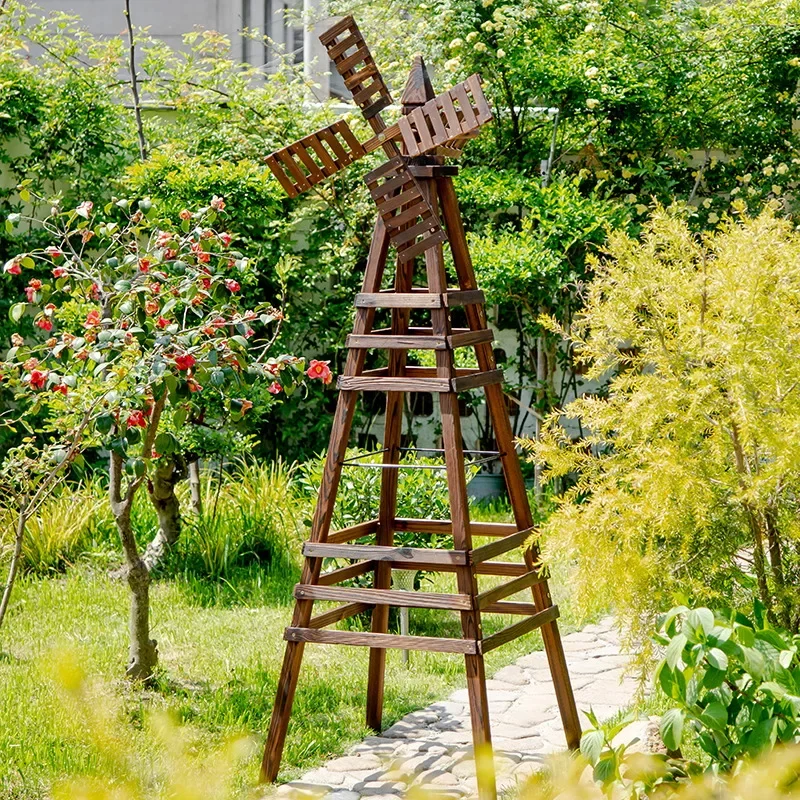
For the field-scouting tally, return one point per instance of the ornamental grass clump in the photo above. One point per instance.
(685, 481)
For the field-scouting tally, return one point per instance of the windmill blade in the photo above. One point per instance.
(354, 62)
(411, 222)
(447, 121)
(315, 157)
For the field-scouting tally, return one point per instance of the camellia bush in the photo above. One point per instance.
(138, 328)
(685, 480)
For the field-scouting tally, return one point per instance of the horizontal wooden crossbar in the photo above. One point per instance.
(510, 607)
(504, 568)
(354, 532)
(346, 573)
(383, 640)
(511, 587)
(337, 614)
(519, 629)
(419, 379)
(487, 551)
(420, 298)
(383, 553)
(444, 526)
(384, 597)
(418, 339)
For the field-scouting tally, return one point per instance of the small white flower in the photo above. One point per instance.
(592, 102)
(488, 25)
(453, 64)
(641, 209)
(768, 170)
(713, 218)
(735, 191)
(707, 202)
(487, 3)
(589, 28)
(456, 43)
(480, 47)
(782, 169)
(776, 189)
(472, 36)
(564, 8)
(631, 198)
(501, 53)
(590, 53)
(591, 72)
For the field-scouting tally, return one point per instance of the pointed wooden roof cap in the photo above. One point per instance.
(419, 88)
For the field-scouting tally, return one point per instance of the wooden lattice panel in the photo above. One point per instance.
(412, 224)
(315, 157)
(353, 61)
(447, 121)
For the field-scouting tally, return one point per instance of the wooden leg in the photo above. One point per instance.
(511, 469)
(388, 502)
(462, 535)
(323, 514)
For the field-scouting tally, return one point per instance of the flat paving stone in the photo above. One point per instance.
(431, 749)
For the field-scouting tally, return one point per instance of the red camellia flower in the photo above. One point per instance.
(92, 319)
(53, 252)
(155, 288)
(30, 293)
(13, 268)
(35, 284)
(275, 388)
(94, 291)
(205, 283)
(85, 208)
(30, 364)
(320, 370)
(44, 323)
(38, 378)
(246, 406)
(59, 272)
(144, 265)
(217, 203)
(226, 239)
(163, 239)
(169, 254)
(232, 285)
(137, 419)
(194, 386)
(162, 322)
(185, 361)
(151, 307)
(185, 214)
(61, 387)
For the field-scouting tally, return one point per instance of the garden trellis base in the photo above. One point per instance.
(406, 191)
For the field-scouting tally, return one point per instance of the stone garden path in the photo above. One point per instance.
(431, 749)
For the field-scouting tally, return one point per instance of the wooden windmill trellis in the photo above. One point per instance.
(417, 213)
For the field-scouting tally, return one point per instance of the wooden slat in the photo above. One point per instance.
(346, 64)
(353, 532)
(500, 546)
(280, 173)
(477, 379)
(484, 113)
(427, 225)
(334, 51)
(347, 23)
(445, 526)
(510, 607)
(510, 587)
(519, 629)
(384, 597)
(370, 384)
(337, 614)
(470, 338)
(469, 120)
(382, 640)
(406, 254)
(398, 300)
(389, 342)
(503, 568)
(377, 553)
(433, 170)
(345, 573)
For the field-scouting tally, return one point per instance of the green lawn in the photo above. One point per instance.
(220, 646)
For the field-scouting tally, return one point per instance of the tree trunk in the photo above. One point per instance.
(161, 489)
(14, 566)
(195, 487)
(143, 651)
(776, 563)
